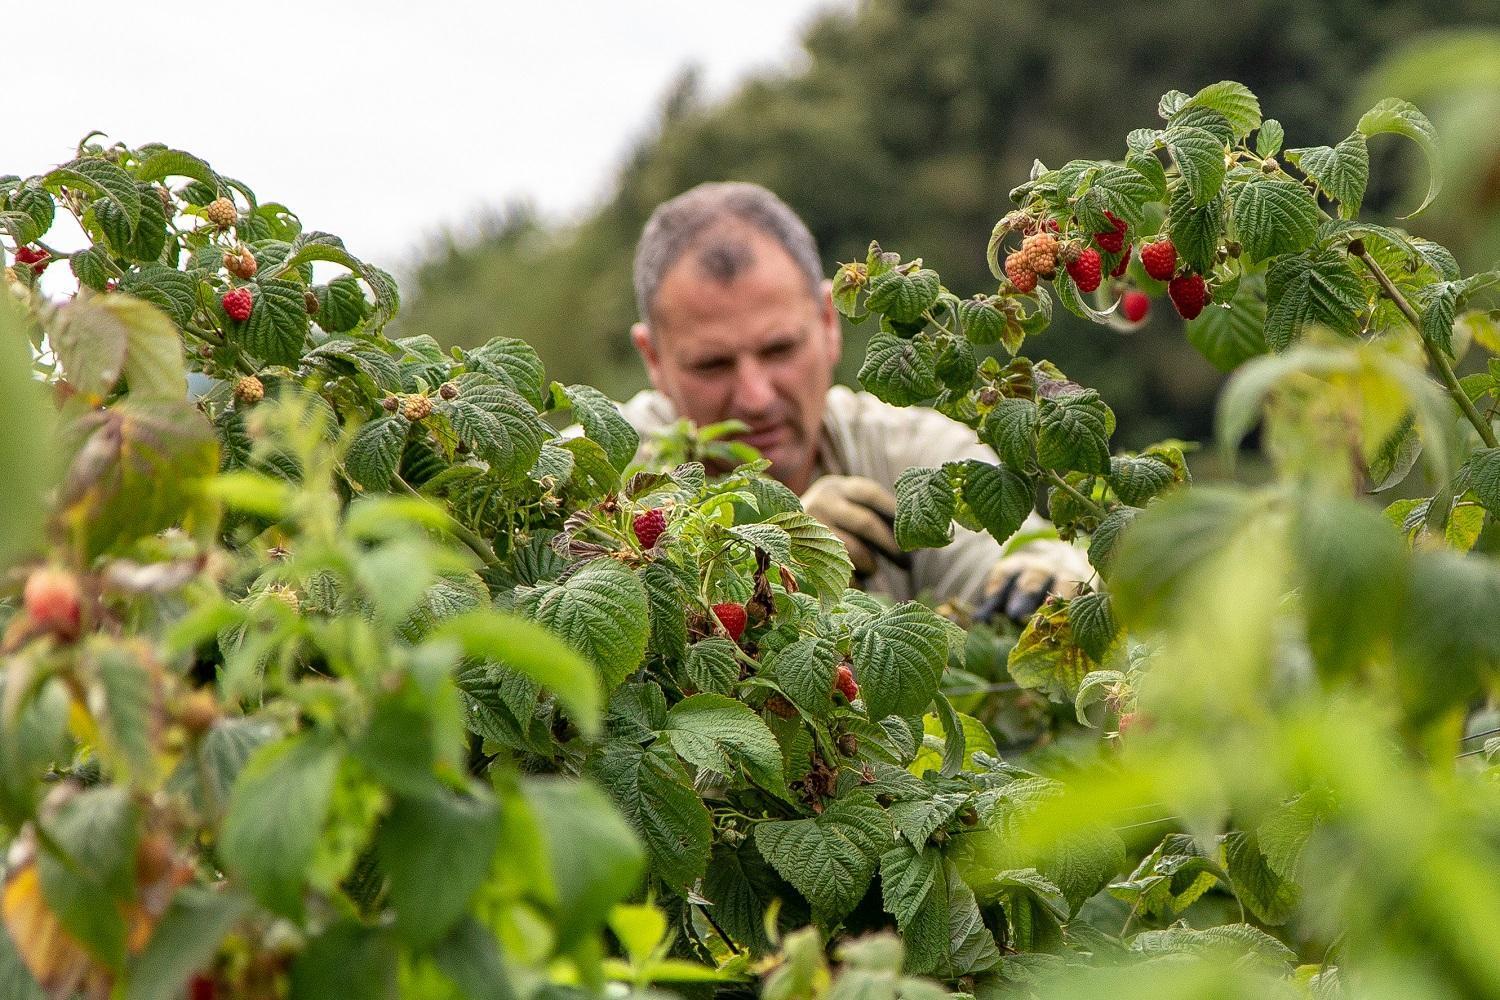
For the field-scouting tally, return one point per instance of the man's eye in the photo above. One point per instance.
(710, 367)
(779, 350)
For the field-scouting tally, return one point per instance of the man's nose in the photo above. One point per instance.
(753, 392)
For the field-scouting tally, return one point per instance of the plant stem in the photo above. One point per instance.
(1069, 489)
(1439, 361)
(461, 531)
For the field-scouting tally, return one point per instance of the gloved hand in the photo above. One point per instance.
(1019, 583)
(863, 514)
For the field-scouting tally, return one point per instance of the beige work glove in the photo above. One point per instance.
(863, 514)
(1019, 583)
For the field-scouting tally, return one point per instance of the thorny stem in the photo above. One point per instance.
(461, 531)
(1069, 489)
(1439, 361)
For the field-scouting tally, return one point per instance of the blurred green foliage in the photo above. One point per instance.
(913, 119)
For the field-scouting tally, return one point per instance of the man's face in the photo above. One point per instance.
(760, 348)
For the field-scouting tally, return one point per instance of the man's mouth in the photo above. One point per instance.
(766, 437)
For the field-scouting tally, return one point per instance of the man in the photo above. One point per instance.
(737, 322)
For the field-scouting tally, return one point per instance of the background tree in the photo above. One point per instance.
(913, 119)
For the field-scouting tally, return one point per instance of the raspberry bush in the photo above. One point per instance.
(344, 672)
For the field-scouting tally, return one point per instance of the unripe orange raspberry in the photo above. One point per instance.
(241, 263)
(221, 212)
(417, 407)
(249, 390)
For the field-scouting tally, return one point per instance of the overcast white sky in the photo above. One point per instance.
(378, 120)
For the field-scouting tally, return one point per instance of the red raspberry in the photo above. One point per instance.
(1020, 273)
(1119, 268)
(1112, 241)
(844, 683)
(53, 601)
(34, 258)
(1134, 305)
(237, 303)
(1159, 259)
(1188, 294)
(649, 526)
(1085, 270)
(732, 617)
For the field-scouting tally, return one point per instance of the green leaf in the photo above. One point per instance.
(1394, 115)
(597, 865)
(900, 372)
(1199, 156)
(1073, 432)
(1117, 189)
(533, 651)
(186, 940)
(603, 423)
(818, 556)
(1234, 101)
(175, 163)
(1093, 622)
(127, 717)
(1265, 893)
(1179, 534)
(30, 214)
(1342, 171)
(142, 469)
(741, 886)
(375, 451)
(514, 363)
(1315, 287)
(276, 815)
(924, 509)
(805, 671)
(1047, 658)
(470, 957)
(513, 442)
(652, 790)
(170, 290)
(1011, 429)
(710, 665)
(90, 266)
(1274, 217)
(102, 178)
(721, 735)
(1141, 157)
(1484, 477)
(1195, 230)
(435, 852)
(908, 873)
(1230, 336)
(341, 304)
(1137, 480)
(347, 960)
(999, 498)
(1106, 538)
(769, 538)
(903, 297)
(668, 588)
(1268, 140)
(899, 657)
(982, 322)
(600, 611)
(829, 858)
(1352, 574)
(97, 832)
(277, 327)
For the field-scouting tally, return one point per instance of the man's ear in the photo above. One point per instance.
(640, 336)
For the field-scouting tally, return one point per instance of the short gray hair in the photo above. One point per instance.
(679, 224)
